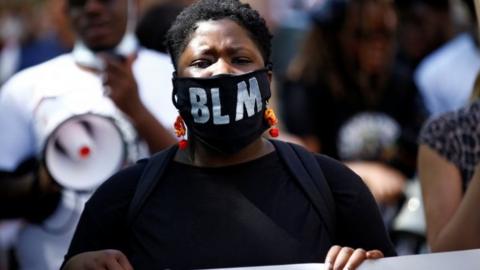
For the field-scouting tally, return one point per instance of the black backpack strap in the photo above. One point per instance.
(154, 169)
(305, 168)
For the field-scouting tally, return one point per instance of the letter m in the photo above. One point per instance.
(247, 99)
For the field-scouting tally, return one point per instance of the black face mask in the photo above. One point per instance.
(224, 112)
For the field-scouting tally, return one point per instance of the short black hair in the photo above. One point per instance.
(181, 30)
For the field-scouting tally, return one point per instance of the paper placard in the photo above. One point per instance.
(457, 260)
(303, 266)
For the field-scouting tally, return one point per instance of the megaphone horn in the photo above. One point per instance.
(84, 150)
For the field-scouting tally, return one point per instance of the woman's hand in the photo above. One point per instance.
(347, 258)
(107, 259)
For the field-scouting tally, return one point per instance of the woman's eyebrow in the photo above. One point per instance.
(237, 49)
(207, 50)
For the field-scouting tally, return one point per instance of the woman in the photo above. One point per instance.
(449, 171)
(225, 200)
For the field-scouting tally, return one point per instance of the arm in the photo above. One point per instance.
(99, 229)
(108, 259)
(102, 233)
(453, 223)
(28, 193)
(360, 232)
(26, 190)
(124, 93)
(385, 183)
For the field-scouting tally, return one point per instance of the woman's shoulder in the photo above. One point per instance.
(340, 178)
(121, 186)
(333, 167)
(354, 204)
(443, 130)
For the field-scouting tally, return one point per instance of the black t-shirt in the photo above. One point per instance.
(248, 214)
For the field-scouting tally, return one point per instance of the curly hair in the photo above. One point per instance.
(185, 24)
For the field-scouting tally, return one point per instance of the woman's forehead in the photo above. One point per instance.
(220, 33)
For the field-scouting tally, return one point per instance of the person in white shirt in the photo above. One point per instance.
(106, 65)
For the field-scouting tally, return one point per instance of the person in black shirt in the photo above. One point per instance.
(225, 199)
(347, 97)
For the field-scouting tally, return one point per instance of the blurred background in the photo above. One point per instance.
(353, 80)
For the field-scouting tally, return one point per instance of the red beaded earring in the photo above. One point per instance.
(180, 131)
(272, 121)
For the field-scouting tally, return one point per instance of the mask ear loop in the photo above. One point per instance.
(269, 66)
(174, 97)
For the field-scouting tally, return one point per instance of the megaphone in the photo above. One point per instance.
(411, 217)
(83, 140)
(408, 231)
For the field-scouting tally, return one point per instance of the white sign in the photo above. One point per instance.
(303, 266)
(457, 260)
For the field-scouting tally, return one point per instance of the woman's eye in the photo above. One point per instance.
(241, 60)
(201, 63)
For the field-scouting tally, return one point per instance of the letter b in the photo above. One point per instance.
(198, 99)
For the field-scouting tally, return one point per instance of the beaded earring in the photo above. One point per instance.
(272, 121)
(180, 131)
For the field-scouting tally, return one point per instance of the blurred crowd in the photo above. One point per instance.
(358, 80)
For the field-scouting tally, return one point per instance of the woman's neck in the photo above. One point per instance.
(202, 156)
